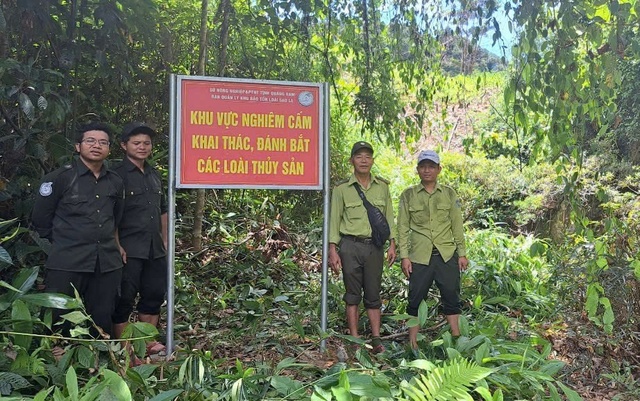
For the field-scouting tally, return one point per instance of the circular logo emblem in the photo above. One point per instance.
(305, 98)
(46, 188)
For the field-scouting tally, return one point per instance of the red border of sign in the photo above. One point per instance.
(238, 133)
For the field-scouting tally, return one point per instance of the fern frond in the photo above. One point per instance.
(450, 382)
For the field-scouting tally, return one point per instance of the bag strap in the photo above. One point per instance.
(359, 189)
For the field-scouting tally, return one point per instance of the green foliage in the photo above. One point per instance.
(449, 382)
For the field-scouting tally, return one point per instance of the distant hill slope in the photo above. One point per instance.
(461, 56)
(469, 111)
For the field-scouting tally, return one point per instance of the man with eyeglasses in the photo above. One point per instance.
(78, 208)
(142, 233)
(360, 261)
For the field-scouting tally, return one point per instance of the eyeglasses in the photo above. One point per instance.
(93, 141)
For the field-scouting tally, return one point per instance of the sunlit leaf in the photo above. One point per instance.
(26, 105)
(51, 300)
(71, 379)
(167, 395)
(117, 385)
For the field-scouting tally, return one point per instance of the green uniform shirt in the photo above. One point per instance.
(348, 214)
(426, 220)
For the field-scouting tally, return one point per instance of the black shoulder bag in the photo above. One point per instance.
(380, 230)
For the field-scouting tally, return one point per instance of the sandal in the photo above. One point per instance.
(155, 348)
(378, 349)
(135, 361)
(377, 345)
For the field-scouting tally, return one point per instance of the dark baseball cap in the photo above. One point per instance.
(359, 146)
(135, 128)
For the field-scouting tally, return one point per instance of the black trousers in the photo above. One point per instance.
(147, 277)
(99, 292)
(447, 278)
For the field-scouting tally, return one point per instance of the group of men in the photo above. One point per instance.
(108, 234)
(429, 240)
(108, 230)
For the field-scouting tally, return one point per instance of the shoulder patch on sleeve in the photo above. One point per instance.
(458, 205)
(46, 188)
(383, 179)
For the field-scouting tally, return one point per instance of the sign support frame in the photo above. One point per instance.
(324, 185)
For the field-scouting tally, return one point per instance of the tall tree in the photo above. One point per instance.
(200, 193)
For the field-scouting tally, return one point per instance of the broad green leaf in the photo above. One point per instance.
(78, 331)
(286, 385)
(553, 393)
(285, 363)
(5, 257)
(537, 249)
(85, 357)
(50, 300)
(72, 383)
(26, 106)
(97, 390)
(484, 393)
(117, 385)
(423, 313)
(139, 329)
(421, 364)
(343, 380)
(571, 394)
(13, 381)
(552, 368)
(21, 317)
(608, 316)
(635, 264)
(43, 394)
(25, 279)
(341, 394)
(602, 262)
(593, 297)
(8, 286)
(477, 302)
(320, 394)
(481, 352)
(75, 317)
(505, 357)
(167, 395)
(453, 353)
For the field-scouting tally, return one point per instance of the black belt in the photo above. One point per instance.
(435, 251)
(363, 240)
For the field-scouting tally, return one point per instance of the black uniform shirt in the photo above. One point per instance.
(140, 229)
(79, 215)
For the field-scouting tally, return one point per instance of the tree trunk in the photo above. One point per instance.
(224, 11)
(200, 193)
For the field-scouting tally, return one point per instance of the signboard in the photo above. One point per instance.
(234, 133)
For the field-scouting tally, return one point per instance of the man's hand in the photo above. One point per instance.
(334, 260)
(391, 253)
(406, 267)
(123, 254)
(463, 262)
